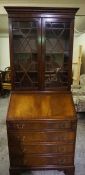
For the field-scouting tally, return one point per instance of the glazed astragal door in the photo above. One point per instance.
(27, 50)
(55, 45)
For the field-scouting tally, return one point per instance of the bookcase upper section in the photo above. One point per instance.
(41, 44)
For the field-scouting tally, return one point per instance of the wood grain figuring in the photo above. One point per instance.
(42, 125)
(41, 148)
(41, 106)
(42, 160)
(50, 136)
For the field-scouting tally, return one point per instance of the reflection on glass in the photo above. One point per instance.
(25, 54)
(56, 59)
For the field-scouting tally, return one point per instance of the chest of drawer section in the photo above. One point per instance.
(50, 142)
(42, 125)
(41, 131)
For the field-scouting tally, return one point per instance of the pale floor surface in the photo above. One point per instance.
(4, 160)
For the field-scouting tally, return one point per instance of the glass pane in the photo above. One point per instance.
(25, 54)
(57, 53)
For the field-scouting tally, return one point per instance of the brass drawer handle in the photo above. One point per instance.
(61, 149)
(20, 126)
(62, 161)
(25, 161)
(24, 150)
(60, 138)
(23, 138)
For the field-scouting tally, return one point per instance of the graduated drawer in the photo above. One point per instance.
(40, 148)
(44, 160)
(42, 125)
(48, 136)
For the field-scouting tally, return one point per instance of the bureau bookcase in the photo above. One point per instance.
(41, 118)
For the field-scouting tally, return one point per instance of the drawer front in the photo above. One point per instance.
(51, 136)
(42, 149)
(38, 161)
(42, 125)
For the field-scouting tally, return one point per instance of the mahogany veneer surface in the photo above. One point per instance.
(41, 106)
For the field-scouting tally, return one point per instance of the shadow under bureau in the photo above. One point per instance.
(41, 132)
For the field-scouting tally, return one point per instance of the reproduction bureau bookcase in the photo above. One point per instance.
(41, 118)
